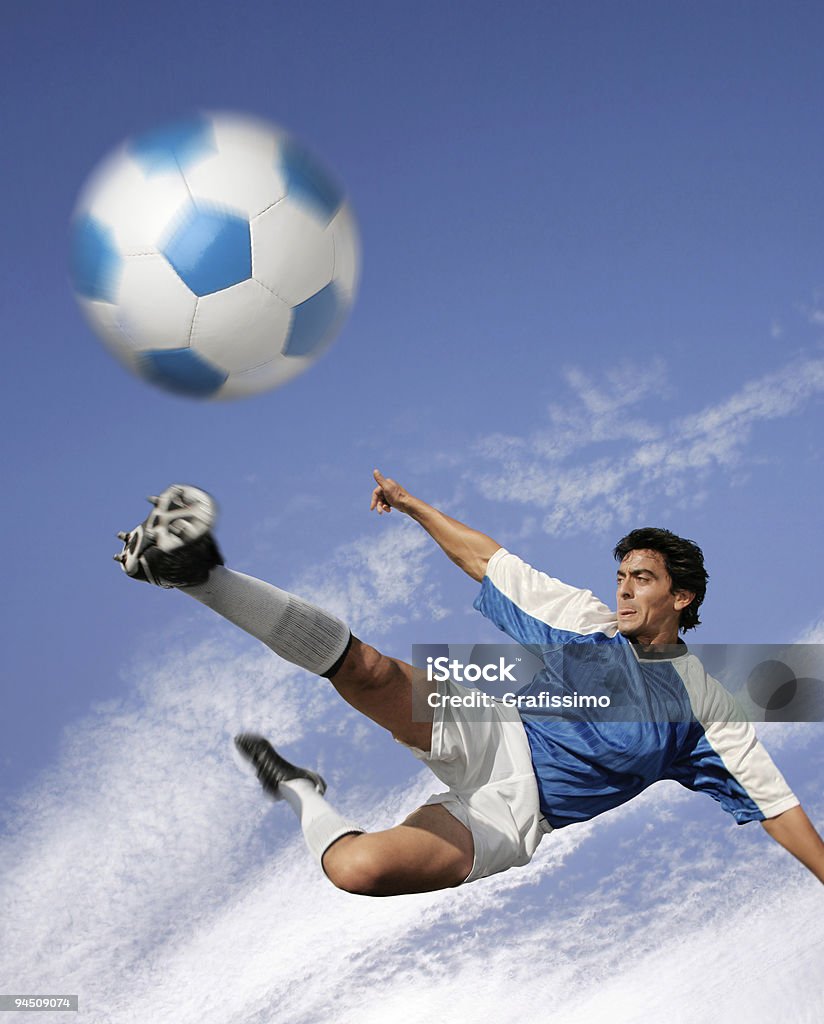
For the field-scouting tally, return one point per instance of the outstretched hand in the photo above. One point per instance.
(388, 495)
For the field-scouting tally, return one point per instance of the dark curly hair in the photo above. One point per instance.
(684, 561)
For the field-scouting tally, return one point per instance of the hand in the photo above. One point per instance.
(388, 495)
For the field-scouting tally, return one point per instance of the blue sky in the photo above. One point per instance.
(592, 298)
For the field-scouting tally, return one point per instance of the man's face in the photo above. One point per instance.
(648, 612)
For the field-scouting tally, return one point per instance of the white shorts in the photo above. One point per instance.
(482, 755)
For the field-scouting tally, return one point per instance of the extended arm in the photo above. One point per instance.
(795, 832)
(469, 549)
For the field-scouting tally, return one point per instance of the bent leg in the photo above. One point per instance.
(430, 850)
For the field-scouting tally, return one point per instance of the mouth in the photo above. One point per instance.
(626, 612)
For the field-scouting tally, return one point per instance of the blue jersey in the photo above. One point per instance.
(667, 718)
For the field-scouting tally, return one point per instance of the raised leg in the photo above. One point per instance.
(431, 849)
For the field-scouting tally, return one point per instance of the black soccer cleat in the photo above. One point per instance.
(173, 546)
(271, 768)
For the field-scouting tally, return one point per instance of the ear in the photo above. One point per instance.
(683, 598)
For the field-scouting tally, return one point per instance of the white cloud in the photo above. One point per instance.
(376, 583)
(675, 461)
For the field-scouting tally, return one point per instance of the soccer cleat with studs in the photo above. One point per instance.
(271, 768)
(173, 546)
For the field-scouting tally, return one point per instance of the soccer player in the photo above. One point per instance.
(511, 779)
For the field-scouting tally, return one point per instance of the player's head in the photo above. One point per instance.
(663, 564)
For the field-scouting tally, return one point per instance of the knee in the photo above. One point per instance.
(367, 667)
(354, 868)
(371, 664)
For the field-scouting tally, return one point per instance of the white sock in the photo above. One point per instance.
(294, 629)
(320, 822)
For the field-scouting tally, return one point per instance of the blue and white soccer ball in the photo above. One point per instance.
(215, 257)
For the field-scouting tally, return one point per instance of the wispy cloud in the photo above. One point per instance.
(619, 456)
(378, 582)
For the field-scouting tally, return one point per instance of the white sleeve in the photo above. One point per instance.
(547, 599)
(734, 740)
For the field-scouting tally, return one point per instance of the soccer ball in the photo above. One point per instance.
(215, 257)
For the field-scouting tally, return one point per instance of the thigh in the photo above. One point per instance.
(430, 850)
(389, 691)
